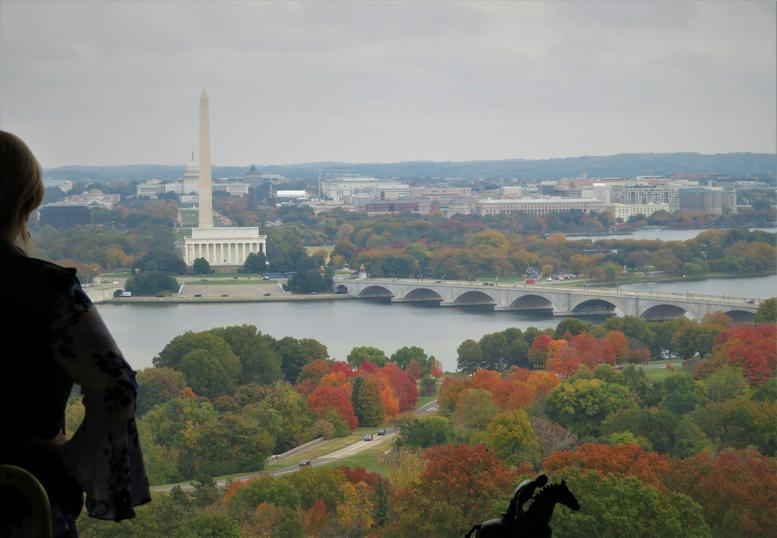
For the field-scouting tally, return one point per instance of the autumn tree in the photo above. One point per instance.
(511, 436)
(582, 405)
(736, 490)
(424, 431)
(336, 398)
(459, 485)
(367, 402)
(156, 386)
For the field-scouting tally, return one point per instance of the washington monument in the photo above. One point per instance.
(224, 247)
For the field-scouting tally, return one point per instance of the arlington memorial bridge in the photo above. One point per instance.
(561, 301)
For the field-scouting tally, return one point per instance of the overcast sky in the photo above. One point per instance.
(118, 82)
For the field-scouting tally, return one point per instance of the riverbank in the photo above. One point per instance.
(174, 299)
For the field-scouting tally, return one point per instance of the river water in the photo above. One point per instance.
(653, 234)
(142, 330)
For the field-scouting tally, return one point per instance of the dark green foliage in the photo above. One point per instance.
(152, 283)
(425, 431)
(259, 362)
(582, 405)
(367, 402)
(362, 354)
(624, 506)
(201, 266)
(470, 356)
(156, 386)
(407, 354)
(310, 280)
(295, 354)
(267, 489)
(162, 261)
(255, 263)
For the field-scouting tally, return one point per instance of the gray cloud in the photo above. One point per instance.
(118, 82)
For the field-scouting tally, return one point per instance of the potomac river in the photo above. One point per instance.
(142, 330)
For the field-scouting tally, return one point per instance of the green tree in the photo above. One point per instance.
(151, 283)
(361, 354)
(156, 386)
(582, 405)
(206, 374)
(282, 412)
(695, 338)
(407, 354)
(367, 402)
(161, 261)
(470, 357)
(474, 409)
(624, 506)
(231, 443)
(424, 431)
(511, 436)
(255, 263)
(767, 311)
(209, 525)
(495, 351)
(264, 489)
(201, 266)
(259, 362)
(294, 355)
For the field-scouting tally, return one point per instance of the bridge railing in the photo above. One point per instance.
(687, 296)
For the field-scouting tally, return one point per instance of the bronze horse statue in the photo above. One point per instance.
(535, 521)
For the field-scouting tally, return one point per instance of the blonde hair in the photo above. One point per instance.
(21, 190)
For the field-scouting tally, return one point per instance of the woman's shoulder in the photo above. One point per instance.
(44, 272)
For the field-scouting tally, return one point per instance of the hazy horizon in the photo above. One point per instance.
(386, 82)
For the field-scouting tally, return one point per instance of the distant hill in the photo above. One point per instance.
(622, 165)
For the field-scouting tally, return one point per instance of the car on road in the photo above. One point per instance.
(369, 437)
(265, 277)
(267, 294)
(198, 294)
(304, 463)
(381, 432)
(224, 295)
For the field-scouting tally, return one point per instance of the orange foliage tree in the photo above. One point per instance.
(336, 398)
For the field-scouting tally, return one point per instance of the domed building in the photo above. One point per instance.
(191, 177)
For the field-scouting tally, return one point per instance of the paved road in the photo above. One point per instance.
(334, 456)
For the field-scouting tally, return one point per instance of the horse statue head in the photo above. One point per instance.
(538, 516)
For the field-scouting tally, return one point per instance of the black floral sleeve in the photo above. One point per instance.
(104, 454)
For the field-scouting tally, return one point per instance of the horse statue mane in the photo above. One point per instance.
(535, 522)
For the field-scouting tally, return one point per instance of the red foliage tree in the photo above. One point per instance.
(631, 460)
(360, 474)
(404, 388)
(336, 398)
(751, 348)
(450, 390)
(736, 490)
(317, 520)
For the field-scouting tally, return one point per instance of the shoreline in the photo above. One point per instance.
(211, 300)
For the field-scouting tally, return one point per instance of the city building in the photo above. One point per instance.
(625, 211)
(233, 188)
(94, 198)
(707, 200)
(150, 189)
(537, 206)
(64, 185)
(361, 190)
(390, 207)
(290, 195)
(220, 246)
(646, 193)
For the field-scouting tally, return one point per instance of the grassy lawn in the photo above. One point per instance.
(657, 374)
(369, 459)
(423, 400)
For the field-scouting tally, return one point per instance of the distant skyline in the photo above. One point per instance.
(90, 83)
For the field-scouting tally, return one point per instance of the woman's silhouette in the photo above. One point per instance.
(53, 338)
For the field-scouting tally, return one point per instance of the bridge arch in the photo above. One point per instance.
(375, 292)
(740, 316)
(473, 298)
(422, 294)
(531, 302)
(594, 307)
(341, 288)
(661, 312)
